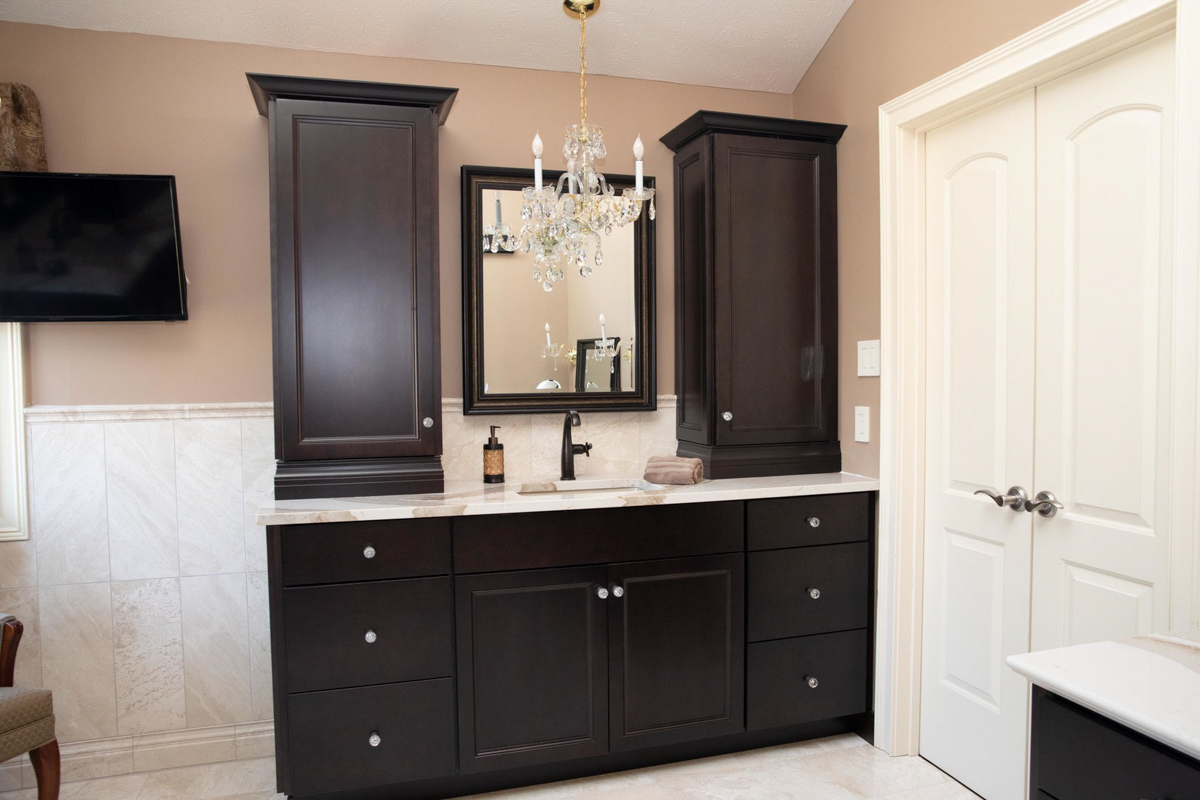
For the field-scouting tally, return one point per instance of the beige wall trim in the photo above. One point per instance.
(1087, 33)
(35, 415)
(121, 755)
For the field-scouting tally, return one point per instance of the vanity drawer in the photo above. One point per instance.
(505, 542)
(786, 521)
(337, 552)
(326, 629)
(777, 673)
(779, 583)
(330, 736)
(1080, 755)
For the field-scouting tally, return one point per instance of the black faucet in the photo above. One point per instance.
(569, 449)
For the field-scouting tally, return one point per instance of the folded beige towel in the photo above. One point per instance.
(673, 469)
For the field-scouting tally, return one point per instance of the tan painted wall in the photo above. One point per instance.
(880, 50)
(141, 104)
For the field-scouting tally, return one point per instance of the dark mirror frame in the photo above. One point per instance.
(477, 180)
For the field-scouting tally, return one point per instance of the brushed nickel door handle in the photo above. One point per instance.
(1045, 504)
(1017, 498)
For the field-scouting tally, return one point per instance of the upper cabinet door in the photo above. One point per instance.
(355, 284)
(676, 650)
(775, 292)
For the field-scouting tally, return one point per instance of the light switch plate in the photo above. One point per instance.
(862, 423)
(868, 359)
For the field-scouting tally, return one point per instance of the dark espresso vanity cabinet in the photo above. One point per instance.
(437, 657)
(354, 251)
(756, 293)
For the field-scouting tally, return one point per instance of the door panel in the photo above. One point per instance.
(676, 650)
(532, 667)
(355, 294)
(980, 265)
(775, 239)
(1103, 358)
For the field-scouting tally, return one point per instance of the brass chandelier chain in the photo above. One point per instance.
(582, 65)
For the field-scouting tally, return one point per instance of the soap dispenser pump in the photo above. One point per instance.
(493, 459)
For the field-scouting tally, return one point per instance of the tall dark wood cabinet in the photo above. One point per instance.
(354, 250)
(756, 293)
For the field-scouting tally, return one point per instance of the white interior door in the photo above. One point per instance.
(1104, 153)
(980, 256)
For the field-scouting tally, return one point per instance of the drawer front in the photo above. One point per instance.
(781, 584)
(777, 673)
(787, 521)
(327, 633)
(505, 542)
(1083, 756)
(343, 552)
(329, 734)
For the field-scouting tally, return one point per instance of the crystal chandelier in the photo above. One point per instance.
(563, 222)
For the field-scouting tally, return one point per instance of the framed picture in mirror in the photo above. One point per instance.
(587, 342)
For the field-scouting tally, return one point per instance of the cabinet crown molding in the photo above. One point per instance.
(266, 88)
(703, 122)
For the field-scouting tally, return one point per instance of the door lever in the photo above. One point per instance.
(1045, 504)
(1016, 499)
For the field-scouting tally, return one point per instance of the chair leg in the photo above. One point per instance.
(47, 769)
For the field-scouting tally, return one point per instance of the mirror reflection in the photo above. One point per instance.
(578, 337)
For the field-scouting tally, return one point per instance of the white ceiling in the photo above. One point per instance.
(765, 45)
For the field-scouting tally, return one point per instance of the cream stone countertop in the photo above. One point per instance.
(467, 498)
(1149, 683)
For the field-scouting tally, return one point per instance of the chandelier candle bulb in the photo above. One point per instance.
(537, 160)
(638, 151)
(548, 342)
(603, 336)
(498, 220)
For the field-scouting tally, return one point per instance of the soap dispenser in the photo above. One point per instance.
(493, 459)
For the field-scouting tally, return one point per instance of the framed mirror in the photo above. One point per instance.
(587, 343)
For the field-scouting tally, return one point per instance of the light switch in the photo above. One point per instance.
(868, 359)
(862, 423)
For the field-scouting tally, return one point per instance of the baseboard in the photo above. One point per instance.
(120, 755)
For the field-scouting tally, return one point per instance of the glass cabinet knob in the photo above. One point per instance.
(617, 591)
(368, 552)
(811, 681)
(374, 739)
(814, 522)
(427, 422)
(602, 593)
(370, 637)
(727, 416)
(815, 594)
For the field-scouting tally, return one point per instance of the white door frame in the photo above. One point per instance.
(1087, 33)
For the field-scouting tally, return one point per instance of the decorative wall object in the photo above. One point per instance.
(22, 147)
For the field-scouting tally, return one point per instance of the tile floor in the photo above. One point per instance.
(837, 768)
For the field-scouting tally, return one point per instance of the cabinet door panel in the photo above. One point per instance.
(676, 640)
(775, 274)
(532, 677)
(355, 294)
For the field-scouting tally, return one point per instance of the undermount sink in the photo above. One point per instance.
(595, 486)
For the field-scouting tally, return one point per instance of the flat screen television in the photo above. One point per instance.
(89, 248)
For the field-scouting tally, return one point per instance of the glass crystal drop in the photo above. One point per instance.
(599, 258)
(548, 286)
(608, 230)
(537, 276)
(585, 271)
(652, 209)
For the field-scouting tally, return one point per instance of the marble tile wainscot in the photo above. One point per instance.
(137, 509)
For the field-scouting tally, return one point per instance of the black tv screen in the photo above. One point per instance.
(89, 248)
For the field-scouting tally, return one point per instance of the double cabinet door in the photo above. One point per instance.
(568, 663)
